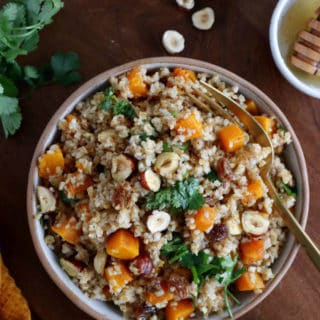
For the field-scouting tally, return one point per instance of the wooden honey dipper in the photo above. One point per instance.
(306, 50)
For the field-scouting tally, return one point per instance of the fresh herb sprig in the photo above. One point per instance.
(168, 148)
(20, 23)
(287, 189)
(213, 176)
(183, 195)
(204, 266)
(118, 106)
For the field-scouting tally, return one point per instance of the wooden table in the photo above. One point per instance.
(109, 33)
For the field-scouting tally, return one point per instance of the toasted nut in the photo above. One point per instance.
(234, 225)
(166, 163)
(255, 223)
(46, 199)
(158, 221)
(203, 19)
(70, 268)
(99, 261)
(150, 180)
(185, 4)
(122, 167)
(173, 41)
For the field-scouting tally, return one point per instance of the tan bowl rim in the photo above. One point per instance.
(156, 62)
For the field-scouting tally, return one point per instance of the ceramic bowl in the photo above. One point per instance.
(294, 159)
(281, 43)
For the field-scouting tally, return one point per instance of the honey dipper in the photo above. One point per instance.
(306, 50)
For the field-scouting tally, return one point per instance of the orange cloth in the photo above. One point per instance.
(13, 305)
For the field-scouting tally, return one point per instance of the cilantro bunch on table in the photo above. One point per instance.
(183, 195)
(20, 23)
(116, 105)
(204, 266)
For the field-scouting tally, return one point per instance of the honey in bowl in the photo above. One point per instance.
(295, 20)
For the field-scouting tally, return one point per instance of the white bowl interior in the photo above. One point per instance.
(101, 310)
(288, 19)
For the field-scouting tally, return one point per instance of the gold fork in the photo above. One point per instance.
(259, 135)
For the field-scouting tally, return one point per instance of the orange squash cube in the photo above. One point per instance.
(204, 218)
(122, 245)
(179, 310)
(231, 138)
(267, 123)
(187, 74)
(68, 228)
(165, 295)
(77, 183)
(190, 127)
(255, 192)
(252, 107)
(252, 251)
(118, 276)
(51, 162)
(250, 281)
(136, 84)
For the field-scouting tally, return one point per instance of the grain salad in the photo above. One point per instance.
(157, 206)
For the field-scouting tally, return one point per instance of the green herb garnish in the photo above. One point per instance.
(118, 106)
(65, 199)
(288, 190)
(20, 23)
(204, 266)
(125, 108)
(167, 148)
(174, 113)
(144, 136)
(183, 195)
(184, 147)
(213, 176)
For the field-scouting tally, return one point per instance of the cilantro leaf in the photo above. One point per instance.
(213, 176)
(183, 195)
(64, 66)
(204, 266)
(166, 147)
(8, 105)
(183, 147)
(125, 108)
(20, 23)
(118, 106)
(9, 88)
(11, 123)
(288, 190)
(65, 199)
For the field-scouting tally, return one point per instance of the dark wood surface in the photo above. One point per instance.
(109, 33)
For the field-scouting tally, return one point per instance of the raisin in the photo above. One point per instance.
(224, 169)
(143, 312)
(143, 265)
(100, 168)
(107, 293)
(179, 284)
(219, 232)
(210, 201)
(154, 285)
(122, 195)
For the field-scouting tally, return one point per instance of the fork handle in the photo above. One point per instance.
(295, 227)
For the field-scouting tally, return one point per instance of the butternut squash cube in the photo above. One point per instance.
(179, 310)
(250, 281)
(190, 127)
(117, 276)
(122, 245)
(231, 138)
(51, 162)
